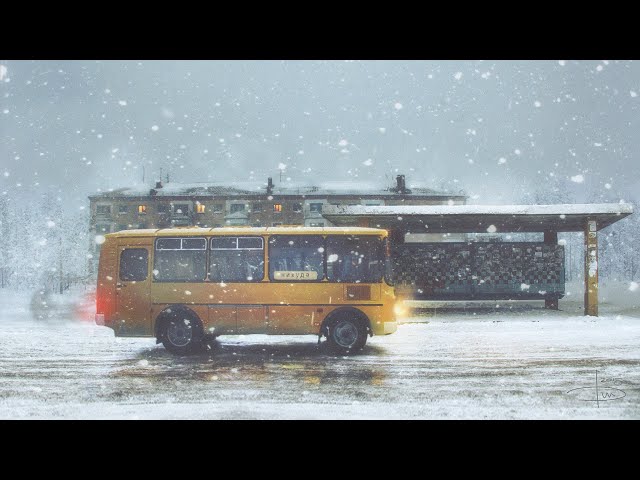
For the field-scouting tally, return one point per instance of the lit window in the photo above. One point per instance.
(277, 207)
(200, 208)
(142, 209)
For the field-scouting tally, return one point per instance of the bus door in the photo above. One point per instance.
(133, 300)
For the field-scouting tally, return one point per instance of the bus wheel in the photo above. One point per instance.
(347, 334)
(181, 334)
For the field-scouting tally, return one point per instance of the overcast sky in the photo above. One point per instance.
(502, 131)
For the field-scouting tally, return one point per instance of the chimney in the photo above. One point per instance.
(269, 186)
(159, 184)
(401, 186)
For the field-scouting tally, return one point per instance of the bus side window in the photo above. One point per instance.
(293, 254)
(180, 260)
(237, 259)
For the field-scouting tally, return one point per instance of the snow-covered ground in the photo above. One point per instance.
(473, 361)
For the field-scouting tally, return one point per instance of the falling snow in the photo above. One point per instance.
(512, 133)
(577, 178)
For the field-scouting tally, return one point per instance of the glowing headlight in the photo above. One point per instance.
(399, 309)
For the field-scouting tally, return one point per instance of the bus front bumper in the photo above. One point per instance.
(390, 327)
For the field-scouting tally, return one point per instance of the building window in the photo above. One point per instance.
(162, 208)
(315, 207)
(103, 209)
(316, 224)
(142, 209)
(276, 224)
(122, 226)
(122, 209)
(103, 228)
(236, 207)
(142, 225)
(257, 207)
(297, 207)
(277, 207)
(200, 208)
(218, 208)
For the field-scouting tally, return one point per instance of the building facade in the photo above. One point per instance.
(217, 205)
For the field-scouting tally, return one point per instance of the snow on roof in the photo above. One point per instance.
(556, 209)
(259, 188)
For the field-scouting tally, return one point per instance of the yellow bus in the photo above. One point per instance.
(185, 286)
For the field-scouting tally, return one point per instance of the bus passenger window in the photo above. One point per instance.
(180, 260)
(296, 258)
(355, 259)
(237, 259)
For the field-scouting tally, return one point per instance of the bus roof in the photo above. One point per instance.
(289, 230)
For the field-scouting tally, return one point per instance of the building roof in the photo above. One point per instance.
(243, 231)
(253, 189)
(479, 218)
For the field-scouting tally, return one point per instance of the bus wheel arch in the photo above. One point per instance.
(346, 329)
(179, 329)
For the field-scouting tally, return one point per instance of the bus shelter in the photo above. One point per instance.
(546, 219)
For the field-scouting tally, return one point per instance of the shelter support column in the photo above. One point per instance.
(591, 268)
(551, 238)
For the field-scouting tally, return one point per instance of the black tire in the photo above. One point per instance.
(181, 333)
(347, 334)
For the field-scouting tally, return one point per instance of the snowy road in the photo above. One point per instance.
(492, 364)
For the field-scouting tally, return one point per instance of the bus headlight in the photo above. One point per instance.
(399, 310)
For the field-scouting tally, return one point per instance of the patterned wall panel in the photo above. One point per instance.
(480, 270)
